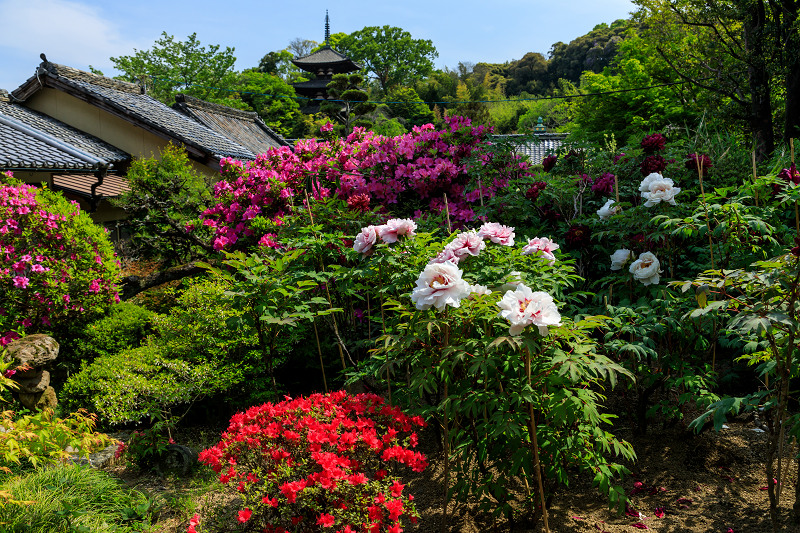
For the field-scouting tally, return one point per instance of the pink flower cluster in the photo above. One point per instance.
(48, 267)
(413, 171)
(320, 461)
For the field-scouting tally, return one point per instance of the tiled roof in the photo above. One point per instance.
(32, 140)
(244, 127)
(64, 133)
(536, 147)
(81, 184)
(127, 101)
(328, 57)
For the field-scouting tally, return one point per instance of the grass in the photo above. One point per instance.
(72, 499)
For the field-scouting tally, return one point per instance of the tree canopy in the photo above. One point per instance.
(173, 66)
(390, 55)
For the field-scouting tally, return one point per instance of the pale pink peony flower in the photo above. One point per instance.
(439, 285)
(467, 243)
(497, 233)
(656, 188)
(396, 227)
(523, 307)
(646, 269)
(619, 258)
(366, 239)
(447, 254)
(544, 246)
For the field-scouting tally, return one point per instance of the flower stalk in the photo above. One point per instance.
(537, 468)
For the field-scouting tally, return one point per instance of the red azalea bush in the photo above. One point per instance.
(55, 263)
(325, 462)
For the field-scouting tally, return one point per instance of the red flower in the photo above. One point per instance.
(652, 163)
(549, 162)
(326, 520)
(696, 161)
(653, 143)
(244, 515)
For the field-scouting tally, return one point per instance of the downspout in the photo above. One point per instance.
(94, 200)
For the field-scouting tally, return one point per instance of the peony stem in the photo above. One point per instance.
(699, 161)
(383, 325)
(319, 351)
(446, 429)
(534, 440)
(755, 177)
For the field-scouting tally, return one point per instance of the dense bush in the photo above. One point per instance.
(326, 461)
(55, 263)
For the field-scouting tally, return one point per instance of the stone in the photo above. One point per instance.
(33, 350)
(39, 400)
(33, 384)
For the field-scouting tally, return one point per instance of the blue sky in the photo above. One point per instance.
(82, 33)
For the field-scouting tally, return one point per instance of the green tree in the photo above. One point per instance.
(274, 100)
(593, 52)
(348, 104)
(171, 66)
(529, 74)
(390, 54)
(166, 195)
(746, 52)
(405, 104)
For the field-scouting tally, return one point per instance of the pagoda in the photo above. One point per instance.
(322, 65)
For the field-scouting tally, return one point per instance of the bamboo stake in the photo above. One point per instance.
(616, 188)
(532, 429)
(447, 214)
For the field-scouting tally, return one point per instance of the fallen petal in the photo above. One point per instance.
(577, 518)
(660, 512)
(639, 525)
(686, 501)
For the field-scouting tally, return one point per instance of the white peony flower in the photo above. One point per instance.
(439, 285)
(619, 258)
(544, 246)
(646, 269)
(497, 233)
(366, 239)
(479, 290)
(523, 307)
(656, 188)
(606, 211)
(395, 227)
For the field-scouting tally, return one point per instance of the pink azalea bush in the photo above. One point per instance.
(321, 463)
(412, 173)
(55, 263)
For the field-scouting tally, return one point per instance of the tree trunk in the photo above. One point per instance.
(758, 79)
(791, 57)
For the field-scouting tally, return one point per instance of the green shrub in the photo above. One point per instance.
(125, 326)
(72, 499)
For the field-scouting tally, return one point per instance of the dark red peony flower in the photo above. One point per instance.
(604, 184)
(358, 202)
(653, 143)
(578, 236)
(535, 190)
(549, 162)
(653, 163)
(790, 174)
(696, 161)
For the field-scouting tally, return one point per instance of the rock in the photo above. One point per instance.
(39, 400)
(36, 383)
(33, 350)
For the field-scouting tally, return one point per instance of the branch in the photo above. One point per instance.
(133, 285)
(693, 81)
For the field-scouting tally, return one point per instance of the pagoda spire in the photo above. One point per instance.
(327, 27)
